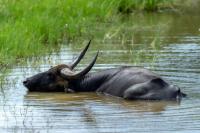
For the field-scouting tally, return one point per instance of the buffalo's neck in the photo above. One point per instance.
(91, 82)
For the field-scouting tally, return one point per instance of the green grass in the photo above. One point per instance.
(33, 27)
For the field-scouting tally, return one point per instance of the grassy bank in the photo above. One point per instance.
(33, 27)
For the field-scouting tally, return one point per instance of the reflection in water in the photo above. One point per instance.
(140, 106)
(176, 58)
(90, 111)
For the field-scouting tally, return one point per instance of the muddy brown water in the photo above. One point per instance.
(176, 58)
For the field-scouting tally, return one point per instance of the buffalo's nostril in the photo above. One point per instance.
(25, 82)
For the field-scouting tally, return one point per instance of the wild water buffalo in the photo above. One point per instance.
(127, 82)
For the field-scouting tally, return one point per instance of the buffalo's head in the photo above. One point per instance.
(57, 78)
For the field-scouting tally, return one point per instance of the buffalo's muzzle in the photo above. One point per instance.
(26, 82)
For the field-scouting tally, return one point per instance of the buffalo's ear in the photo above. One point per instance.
(158, 81)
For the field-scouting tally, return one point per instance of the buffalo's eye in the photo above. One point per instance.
(51, 76)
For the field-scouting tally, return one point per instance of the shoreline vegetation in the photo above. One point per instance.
(34, 27)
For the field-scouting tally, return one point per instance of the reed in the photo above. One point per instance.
(33, 27)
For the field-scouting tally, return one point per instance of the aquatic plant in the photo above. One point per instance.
(127, 6)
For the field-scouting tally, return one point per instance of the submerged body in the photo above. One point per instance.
(126, 82)
(129, 83)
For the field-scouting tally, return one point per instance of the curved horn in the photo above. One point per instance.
(68, 74)
(80, 56)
